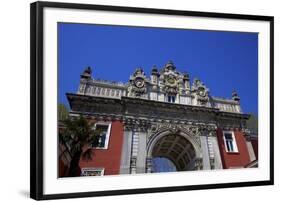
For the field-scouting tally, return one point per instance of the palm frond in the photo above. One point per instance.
(78, 132)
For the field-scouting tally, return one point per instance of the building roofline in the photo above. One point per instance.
(155, 103)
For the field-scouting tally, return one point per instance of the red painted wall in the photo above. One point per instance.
(237, 159)
(63, 169)
(109, 158)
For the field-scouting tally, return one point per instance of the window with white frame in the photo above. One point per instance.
(229, 141)
(92, 171)
(102, 139)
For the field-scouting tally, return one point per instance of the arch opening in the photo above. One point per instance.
(163, 164)
(173, 152)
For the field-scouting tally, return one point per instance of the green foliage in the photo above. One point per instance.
(62, 112)
(78, 135)
(252, 123)
(78, 132)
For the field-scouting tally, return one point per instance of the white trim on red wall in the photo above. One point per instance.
(107, 133)
(234, 144)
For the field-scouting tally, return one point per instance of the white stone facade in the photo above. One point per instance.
(163, 115)
(165, 85)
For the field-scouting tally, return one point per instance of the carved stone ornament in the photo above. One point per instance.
(133, 161)
(138, 83)
(201, 91)
(171, 83)
(192, 131)
(198, 164)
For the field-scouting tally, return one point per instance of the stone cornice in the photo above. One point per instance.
(224, 100)
(233, 115)
(127, 106)
(154, 103)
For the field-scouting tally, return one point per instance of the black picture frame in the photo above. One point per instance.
(37, 101)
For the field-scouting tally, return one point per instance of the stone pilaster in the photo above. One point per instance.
(211, 151)
(141, 153)
(134, 152)
(216, 162)
(126, 151)
(148, 164)
(198, 164)
(205, 150)
(133, 165)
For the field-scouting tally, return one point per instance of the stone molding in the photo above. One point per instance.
(141, 113)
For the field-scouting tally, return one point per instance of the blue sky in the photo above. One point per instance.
(224, 61)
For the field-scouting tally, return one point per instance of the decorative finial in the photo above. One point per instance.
(185, 76)
(87, 73)
(139, 71)
(170, 65)
(196, 81)
(154, 70)
(235, 96)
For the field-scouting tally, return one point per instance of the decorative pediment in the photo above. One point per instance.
(138, 83)
(201, 91)
(175, 128)
(170, 79)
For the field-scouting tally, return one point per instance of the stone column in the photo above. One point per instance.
(133, 165)
(126, 151)
(134, 152)
(198, 164)
(205, 150)
(141, 153)
(148, 164)
(211, 151)
(217, 163)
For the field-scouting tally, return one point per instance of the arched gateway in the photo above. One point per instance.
(161, 116)
(188, 146)
(179, 147)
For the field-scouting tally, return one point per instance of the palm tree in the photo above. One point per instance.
(62, 112)
(78, 135)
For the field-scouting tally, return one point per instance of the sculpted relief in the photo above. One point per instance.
(138, 84)
(200, 91)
